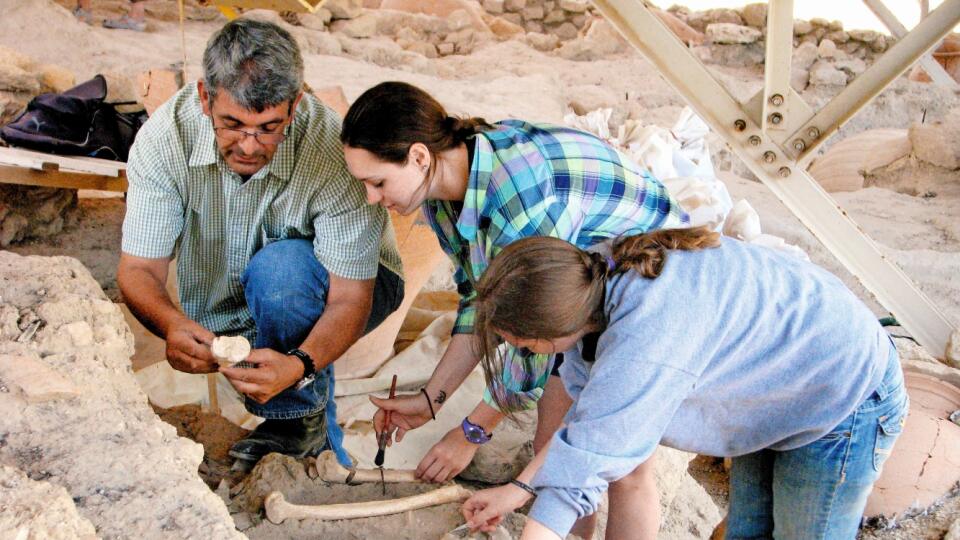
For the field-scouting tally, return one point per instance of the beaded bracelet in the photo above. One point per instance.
(429, 404)
(523, 486)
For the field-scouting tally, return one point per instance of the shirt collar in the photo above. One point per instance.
(475, 198)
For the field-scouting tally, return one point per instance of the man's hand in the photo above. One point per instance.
(188, 347)
(274, 373)
(484, 510)
(447, 458)
(409, 412)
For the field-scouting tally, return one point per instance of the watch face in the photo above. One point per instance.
(475, 434)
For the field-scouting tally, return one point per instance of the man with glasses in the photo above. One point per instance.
(241, 177)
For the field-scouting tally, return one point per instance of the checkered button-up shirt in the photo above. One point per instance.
(184, 201)
(542, 180)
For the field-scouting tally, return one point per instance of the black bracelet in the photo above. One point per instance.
(426, 395)
(523, 486)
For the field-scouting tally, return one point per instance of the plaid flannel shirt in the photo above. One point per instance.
(542, 180)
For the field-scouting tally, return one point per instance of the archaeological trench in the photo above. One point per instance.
(85, 454)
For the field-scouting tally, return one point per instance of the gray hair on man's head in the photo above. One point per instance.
(258, 63)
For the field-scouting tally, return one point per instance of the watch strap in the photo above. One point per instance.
(474, 433)
(308, 367)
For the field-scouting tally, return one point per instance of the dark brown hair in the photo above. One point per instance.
(542, 287)
(389, 118)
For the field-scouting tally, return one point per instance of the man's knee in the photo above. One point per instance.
(284, 279)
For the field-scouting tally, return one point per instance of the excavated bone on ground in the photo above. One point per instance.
(125, 470)
(230, 349)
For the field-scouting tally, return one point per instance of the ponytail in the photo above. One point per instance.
(647, 253)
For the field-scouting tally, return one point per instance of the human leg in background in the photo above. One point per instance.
(286, 289)
(135, 19)
(635, 505)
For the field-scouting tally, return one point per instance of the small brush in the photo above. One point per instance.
(384, 436)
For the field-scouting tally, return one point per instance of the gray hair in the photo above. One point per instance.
(258, 63)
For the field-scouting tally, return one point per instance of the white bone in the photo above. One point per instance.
(329, 469)
(279, 510)
(230, 349)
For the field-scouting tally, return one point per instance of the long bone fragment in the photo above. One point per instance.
(328, 469)
(279, 510)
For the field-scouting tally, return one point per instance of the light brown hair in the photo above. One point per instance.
(547, 288)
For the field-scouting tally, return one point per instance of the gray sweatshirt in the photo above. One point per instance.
(729, 351)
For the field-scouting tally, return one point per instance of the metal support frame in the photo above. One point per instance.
(871, 82)
(765, 155)
(927, 62)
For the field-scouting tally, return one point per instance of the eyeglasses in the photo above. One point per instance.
(262, 137)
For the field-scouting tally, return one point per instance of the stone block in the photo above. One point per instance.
(504, 29)
(801, 27)
(566, 31)
(827, 48)
(823, 73)
(35, 380)
(805, 55)
(514, 18)
(555, 16)
(938, 144)
(574, 6)
(344, 9)
(533, 13)
(495, 7)
(364, 26)
(533, 26)
(755, 15)
(542, 42)
(866, 36)
(727, 33)
(837, 36)
(514, 5)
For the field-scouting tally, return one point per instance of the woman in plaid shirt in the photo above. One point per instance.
(481, 187)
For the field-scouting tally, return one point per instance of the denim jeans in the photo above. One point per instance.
(286, 291)
(819, 491)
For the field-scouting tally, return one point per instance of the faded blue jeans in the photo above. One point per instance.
(819, 491)
(286, 291)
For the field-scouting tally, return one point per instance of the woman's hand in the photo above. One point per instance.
(485, 509)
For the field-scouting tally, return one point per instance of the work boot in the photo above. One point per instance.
(297, 437)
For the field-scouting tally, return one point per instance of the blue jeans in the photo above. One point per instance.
(286, 291)
(819, 491)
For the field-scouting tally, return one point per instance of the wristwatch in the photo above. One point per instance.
(474, 433)
(308, 368)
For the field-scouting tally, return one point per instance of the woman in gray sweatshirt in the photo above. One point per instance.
(724, 349)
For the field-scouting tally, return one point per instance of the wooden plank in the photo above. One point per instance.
(61, 179)
(51, 162)
(300, 6)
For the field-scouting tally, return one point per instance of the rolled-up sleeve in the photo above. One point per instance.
(616, 423)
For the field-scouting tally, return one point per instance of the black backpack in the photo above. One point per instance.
(77, 122)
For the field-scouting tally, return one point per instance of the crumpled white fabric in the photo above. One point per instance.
(680, 158)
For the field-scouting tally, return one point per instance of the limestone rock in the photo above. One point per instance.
(125, 470)
(533, 13)
(938, 144)
(27, 211)
(727, 33)
(799, 78)
(533, 26)
(801, 27)
(34, 510)
(701, 19)
(566, 31)
(574, 6)
(56, 79)
(866, 36)
(827, 48)
(805, 55)
(515, 5)
(363, 26)
(16, 79)
(823, 73)
(555, 16)
(317, 20)
(600, 40)
(837, 37)
(687, 511)
(445, 49)
(851, 66)
(36, 381)
(755, 15)
(493, 6)
(953, 533)
(428, 50)
(504, 29)
(344, 9)
(542, 42)
(843, 165)
(679, 28)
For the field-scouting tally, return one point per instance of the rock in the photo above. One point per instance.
(600, 40)
(533, 13)
(820, 22)
(533, 26)
(56, 79)
(317, 20)
(938, 144)
(843, 165)
(823, 73)
(880, 44)
(851, 66)
(493, 6)
(733, 55)
(504, 29)
(679, 28)
(755, 15)
(574, 6)
(428, 50)
(837, 36)
(363, 26)
(542, 42)
(445, 49)
(334, 98)
(566, 31)
(701, 19)
(461, 19)
(34, 510)
(36, 381)
(515, 5)
(579, 20)
(324, 43)
(835, 26)
(16, 79)
(514, 18)
(344, 9)
(805, 55)
(952, 355)
(687, 510)
(33, 211)
(555, 16)
(462, 40)
(866, 36)
(827, 49)
(953, 533)
(801, 27)
(799, 78)
(727, 33)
